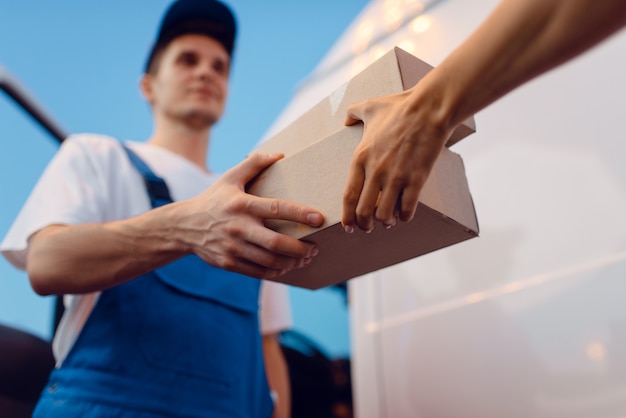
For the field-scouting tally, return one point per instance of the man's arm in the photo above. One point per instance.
(277, 375)
(405, 133)
(224, 226)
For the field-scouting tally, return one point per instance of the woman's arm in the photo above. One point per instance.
(404, 133)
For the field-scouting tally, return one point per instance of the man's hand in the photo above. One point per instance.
(401, 142)
(226, 226)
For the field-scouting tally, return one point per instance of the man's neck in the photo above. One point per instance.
(181, 139)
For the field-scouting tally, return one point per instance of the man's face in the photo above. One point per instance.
(191, 83)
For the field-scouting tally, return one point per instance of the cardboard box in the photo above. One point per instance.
(318, 149)
(394, 72)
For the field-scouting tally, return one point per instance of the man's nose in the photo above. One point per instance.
(205, 70)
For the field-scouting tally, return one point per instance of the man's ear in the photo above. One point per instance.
(145, 85)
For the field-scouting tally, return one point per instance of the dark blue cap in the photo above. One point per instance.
(205, 17)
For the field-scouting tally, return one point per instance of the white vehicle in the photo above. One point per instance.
(529, 319)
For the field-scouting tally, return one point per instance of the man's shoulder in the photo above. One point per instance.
(94, 147)
(92, 141)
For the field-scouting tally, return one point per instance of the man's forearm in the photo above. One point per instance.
(277, 375)
(224, 226)
(92, 257)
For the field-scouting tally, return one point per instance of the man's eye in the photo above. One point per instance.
(220, 67)
(188, 59)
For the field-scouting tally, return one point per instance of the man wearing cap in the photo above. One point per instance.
(153, 252)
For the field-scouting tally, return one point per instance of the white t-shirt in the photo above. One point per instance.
(91, 180)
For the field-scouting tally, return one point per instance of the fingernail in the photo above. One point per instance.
(314, 218)
(304, 262)
(369, 231)
(388, 226)
(315, 252)
(349, 229)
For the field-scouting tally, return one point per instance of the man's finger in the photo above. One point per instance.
(250, 269)
(254, 270)
(251, 167)
(283, 254)
(277, 244)
(268, 208)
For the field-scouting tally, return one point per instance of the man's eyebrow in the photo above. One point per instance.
(187, 51)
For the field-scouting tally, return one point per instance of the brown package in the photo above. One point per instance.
(318, 149)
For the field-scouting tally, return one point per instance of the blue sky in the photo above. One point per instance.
(82, 60)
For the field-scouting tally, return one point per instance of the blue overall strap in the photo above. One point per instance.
(155, 185)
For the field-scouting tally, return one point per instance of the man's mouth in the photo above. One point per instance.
(204, 91)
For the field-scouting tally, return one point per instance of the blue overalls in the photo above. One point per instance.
(180, 341)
